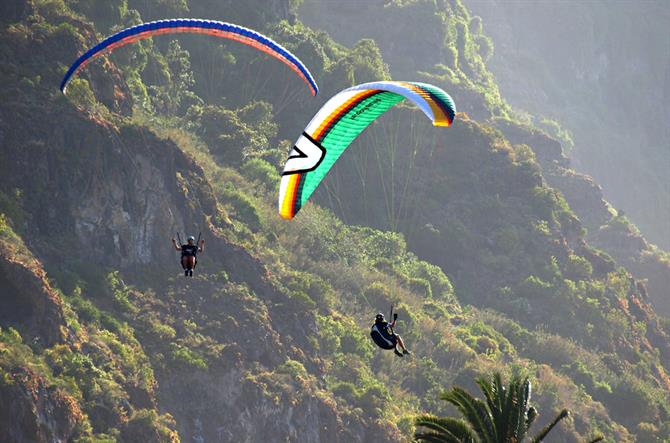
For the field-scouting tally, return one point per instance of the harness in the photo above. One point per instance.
(191, 251)
(379, 338)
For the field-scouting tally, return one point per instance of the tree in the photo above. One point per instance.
(506, 416)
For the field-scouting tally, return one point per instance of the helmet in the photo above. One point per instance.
(190, 238)
(379, 317)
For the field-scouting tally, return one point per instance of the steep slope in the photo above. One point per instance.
(451, 214)
(269, 341)
(28, 302)
(607, 229)
(616, 104)
(461, 66)
(88, 176)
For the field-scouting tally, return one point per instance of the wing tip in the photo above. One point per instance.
(285, 215)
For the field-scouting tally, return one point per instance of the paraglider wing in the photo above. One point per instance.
(339, 122)
(193, 26)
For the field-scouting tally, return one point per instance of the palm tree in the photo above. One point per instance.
(505, 417)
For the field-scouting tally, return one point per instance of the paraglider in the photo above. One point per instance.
(189, 252)
(339, 122)
(193, 26)
(383, 335)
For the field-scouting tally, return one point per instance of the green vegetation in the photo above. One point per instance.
(456, 229)
(505, 416)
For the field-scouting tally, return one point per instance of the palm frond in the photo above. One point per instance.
(449, 429)
(488, 389)
(492, 401)
(543, 433)
(511, 412)
(474, 411)
(523, 398)
(531, 416)
(503, 406)
(433, 437)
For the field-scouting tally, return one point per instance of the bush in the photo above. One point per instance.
(261, 172)
(184, 356)
(303, 301)
(10, 208)
(313, 286)
(578, 268)
(632, 401)
(534, 288)
(162, 331)
(245, 209)
(293, 368)
(342, 335)
(377, 294)
(235, 135)
(345, 390)
(146, 426)
(354, 341)
(420, 286)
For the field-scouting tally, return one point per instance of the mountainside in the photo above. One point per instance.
(462, 66)
(568, 61)
(477, 234)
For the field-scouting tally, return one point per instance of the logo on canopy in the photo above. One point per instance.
(306, 155)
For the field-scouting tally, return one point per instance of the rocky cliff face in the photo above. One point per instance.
(106, 200)
(629, 248)
(249, 391)
(33, 411)
(238, 405)
(99, 192)
(122, 202)
(27, 301)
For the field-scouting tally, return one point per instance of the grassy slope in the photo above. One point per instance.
(125, 342)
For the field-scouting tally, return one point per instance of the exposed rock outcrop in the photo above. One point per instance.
(630, 249)
(119, 202)
(33, 411)
(27, 300)
(247, 407)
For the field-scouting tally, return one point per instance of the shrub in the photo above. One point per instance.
(342, 335)
(632, 401)
(293, 368)
(244, 207)
(578, 268)
(162, 331)
(345, 390)
(261, 172)
(10, 208)
(486, 345)
(377, 294)
(145, 425)
(533, 288)
(354, 341)
(182, 355)
(421, 286)
(314, 287)
(302, 300)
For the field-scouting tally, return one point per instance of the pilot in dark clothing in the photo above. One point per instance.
(382, 334)
(189, 254)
